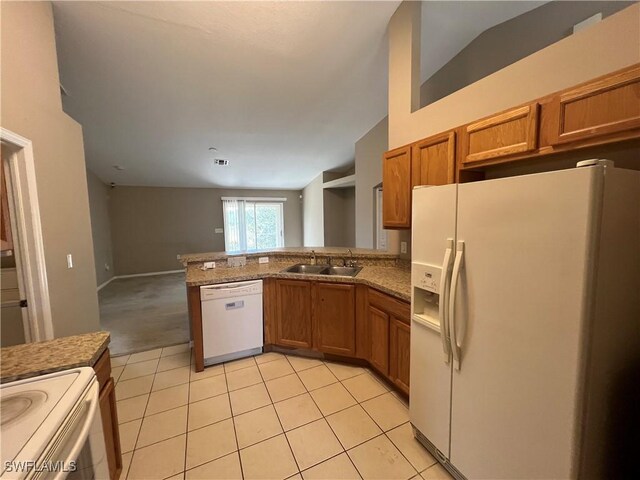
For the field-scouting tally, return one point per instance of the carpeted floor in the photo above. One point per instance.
(143, 313)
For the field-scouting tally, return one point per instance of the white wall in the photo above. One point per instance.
(600, 49)
(369, 151)
(32, 108)
(313, 213)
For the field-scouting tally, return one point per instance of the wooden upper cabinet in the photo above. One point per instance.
(293, 321)
(335, 318)
(399, 353)
(605, 106)
(396, 188)
(509, 133)
(433, 160)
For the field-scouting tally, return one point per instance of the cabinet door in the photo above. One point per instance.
(379, 336)
(396, 188)
(399, 353)
(110, 428)
(335, 318)
(293, 323)
(512, 132)
(609, 105)
(433, 160)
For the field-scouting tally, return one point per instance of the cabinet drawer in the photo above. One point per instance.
(603, 107)
(389, 304)
(509, 133)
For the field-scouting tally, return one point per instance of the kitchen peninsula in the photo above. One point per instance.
(365, 318)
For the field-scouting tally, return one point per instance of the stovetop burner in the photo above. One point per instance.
(14, 407)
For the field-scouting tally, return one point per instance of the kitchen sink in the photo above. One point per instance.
(306, 269)
(344, 271)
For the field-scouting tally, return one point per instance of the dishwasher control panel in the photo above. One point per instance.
(230, 290)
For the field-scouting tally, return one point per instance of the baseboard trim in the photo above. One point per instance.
(104, 284)
(150, 274)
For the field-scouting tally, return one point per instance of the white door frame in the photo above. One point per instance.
(23, 195)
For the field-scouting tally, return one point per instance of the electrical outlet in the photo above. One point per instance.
(263, 260)
(219, 230)
(209, 265)
(403, 247)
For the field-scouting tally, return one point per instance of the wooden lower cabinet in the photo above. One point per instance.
(334, 317)
(341, 319)
(110, 428)
(399, 353)
(293, 320)
(109, 414)
(379, 338)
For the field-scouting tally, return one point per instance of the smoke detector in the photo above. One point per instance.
(221, 162)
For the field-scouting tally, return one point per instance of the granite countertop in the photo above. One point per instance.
(33, 359)
(394, 280)
(288, 252)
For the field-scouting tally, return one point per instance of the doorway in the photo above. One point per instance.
(26, 310)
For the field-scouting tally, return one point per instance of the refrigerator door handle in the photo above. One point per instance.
(444, 296)
(457, 266)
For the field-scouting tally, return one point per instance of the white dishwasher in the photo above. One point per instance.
(231, 320)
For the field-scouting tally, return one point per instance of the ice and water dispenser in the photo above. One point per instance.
(425, 281)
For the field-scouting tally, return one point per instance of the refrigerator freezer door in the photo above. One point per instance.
(434, 227)
(522, 298)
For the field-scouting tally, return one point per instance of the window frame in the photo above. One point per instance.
(242, 223)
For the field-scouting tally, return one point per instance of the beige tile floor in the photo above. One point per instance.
(272, 416)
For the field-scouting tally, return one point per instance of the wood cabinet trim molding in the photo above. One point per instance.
(528, 143)
(560, 133)
(195, 314)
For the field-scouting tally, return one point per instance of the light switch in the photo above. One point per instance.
(69, 260)
(219, 230)
(403, 247)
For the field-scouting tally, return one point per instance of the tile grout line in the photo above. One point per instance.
(235, 432)
(307, 391)
(280, 421)
(344, 450)
(186, 427)
(135, 444)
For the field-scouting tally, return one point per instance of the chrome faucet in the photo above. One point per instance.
(350, 263)
(313, 257)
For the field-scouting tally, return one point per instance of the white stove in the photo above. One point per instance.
(51, 427)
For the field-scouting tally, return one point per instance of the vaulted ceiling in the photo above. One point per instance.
(282, 90)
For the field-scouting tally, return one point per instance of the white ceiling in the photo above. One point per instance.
(283, 90)
(449, 26)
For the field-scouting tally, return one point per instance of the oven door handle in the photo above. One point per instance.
(91, 406)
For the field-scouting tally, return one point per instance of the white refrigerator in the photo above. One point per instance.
(526, 323)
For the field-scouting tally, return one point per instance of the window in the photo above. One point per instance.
(253, 223)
